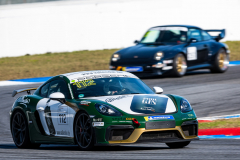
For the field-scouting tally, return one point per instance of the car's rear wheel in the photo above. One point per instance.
(221, 62)
(20, 134)
(84, 132)
(179, 65)
(178, 144)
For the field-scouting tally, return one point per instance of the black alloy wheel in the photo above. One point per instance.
(178, 144)
(84, 133)
(20, 132)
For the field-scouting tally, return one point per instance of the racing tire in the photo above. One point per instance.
(221, 61)
(84, 132)
(178, 144)
(179, 65)
(20, 131)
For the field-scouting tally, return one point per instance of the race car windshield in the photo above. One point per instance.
(109, 86)
(162, 35)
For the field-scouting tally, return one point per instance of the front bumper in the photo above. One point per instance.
(158, 135)
(154, 69)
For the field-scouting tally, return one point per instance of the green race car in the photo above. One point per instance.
(100, 108)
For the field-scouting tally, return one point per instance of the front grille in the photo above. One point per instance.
(160, 124)
(159, 135)
(120, 134)
(190, 130)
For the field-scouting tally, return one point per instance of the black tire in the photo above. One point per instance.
(178, 144)
(220, 64)
(84, 132)
(179, 65)
(20, 132)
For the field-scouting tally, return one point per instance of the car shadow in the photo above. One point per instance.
(189, 73)
(76, 148)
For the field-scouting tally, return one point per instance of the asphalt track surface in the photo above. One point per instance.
(209, 95)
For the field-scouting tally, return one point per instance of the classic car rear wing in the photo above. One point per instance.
(218, 37)
(23, 90)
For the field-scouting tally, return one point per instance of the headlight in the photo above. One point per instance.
(158, 56)
(115, 57)
(107, 110)
(185, 106)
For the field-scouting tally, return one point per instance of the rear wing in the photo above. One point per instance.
(218, 37)
(23, 90)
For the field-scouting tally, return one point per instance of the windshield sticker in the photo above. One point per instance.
(148, 104)
(84, 83)
(150, 118)
(170, 28)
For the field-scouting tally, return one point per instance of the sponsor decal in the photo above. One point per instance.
(163, 117)
(63, 133)
(148, 104)
(23, 100)
(190, 115)
(97, 119)
(84, 83)
(122, 119)
(94, 124)
(151, 101)
(132, 69)
(85, 103)
(114, 99)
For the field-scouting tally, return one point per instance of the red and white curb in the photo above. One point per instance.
(219, 133)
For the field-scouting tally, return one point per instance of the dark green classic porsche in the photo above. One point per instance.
(100, 108)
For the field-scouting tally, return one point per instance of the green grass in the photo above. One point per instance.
(51, 64)
(222, 123)
(234, 47)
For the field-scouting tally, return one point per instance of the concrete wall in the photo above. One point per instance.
(103, 24)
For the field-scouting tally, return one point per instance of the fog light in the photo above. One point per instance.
(158, 65)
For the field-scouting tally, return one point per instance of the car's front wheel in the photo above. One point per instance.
(84, 132)
(221, 62)
(178, 144)
(19, 129)
(179, 65)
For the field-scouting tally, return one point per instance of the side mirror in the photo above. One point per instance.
(193, 40)
(136, 42)
(58, 96)
(158, 90)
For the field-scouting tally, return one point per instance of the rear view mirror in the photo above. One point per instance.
(58, 96)
(136, 42)
(158, 90)
(193, 40)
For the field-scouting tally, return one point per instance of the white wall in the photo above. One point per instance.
(101, 24)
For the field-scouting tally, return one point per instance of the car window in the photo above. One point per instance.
(206, 36)
(59, 86)
(195, 33)
(165, 35)
(109, 86)
(44, 90)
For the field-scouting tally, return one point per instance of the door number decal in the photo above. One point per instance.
(62, 118)
(191, 53)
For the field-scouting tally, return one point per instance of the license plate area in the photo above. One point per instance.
(160, 125)
(134, 69)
